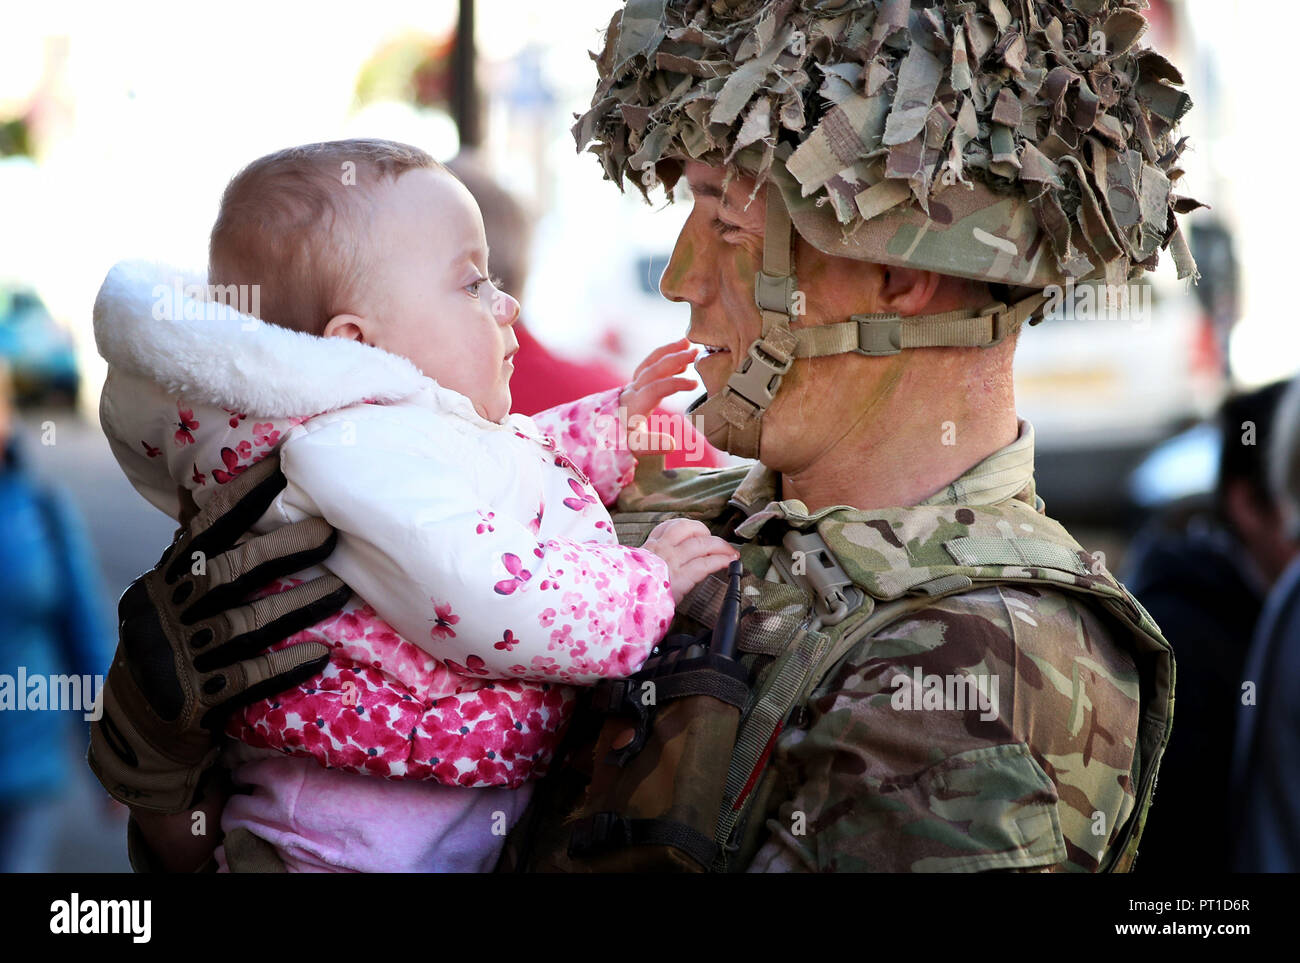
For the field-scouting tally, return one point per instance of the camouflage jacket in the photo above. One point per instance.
(879, 771)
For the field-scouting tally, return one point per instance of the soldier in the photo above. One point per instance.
(936, 677)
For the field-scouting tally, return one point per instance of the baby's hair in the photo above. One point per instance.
(292, 222)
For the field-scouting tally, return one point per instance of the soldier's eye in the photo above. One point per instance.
(723, 228)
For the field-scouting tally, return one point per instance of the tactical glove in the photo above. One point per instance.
(191, 651)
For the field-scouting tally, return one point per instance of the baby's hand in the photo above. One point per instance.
(690, 551)
(653, 382)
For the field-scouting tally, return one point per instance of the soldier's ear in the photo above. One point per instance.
(907, 291)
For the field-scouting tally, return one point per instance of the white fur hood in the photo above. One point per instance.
(148, 326)
(178, 361)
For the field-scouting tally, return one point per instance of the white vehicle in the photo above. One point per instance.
(1104, 385)
(1091, 377)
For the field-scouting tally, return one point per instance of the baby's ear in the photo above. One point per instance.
(348, 326)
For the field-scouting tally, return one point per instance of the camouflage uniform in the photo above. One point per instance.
(1016, 143)
(855, 784)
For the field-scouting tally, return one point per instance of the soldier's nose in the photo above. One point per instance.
(685, 277)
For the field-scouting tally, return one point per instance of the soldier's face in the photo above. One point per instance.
(718, 254)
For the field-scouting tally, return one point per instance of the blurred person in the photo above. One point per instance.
(1205, 586)
(544, 379)
(1265, 782)
(52, 623)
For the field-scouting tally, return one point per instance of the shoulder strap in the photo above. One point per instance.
(813, 653)
(806, 661)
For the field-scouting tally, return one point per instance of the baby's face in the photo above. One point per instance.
(429, 296)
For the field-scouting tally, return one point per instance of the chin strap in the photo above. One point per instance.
(732, 419)
(881, 334)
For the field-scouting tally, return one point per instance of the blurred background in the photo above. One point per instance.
(120, 125)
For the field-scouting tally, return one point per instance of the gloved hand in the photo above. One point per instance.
(190, 652)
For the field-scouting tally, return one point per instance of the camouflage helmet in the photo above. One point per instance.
(1020, 142)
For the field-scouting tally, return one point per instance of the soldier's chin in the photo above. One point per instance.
(713, 374)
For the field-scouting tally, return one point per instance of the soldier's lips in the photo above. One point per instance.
(711, 349)
(709, 365)
(713, 372)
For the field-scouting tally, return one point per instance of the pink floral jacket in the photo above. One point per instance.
(488, 578)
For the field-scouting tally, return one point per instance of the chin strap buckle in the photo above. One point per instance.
(879, 335)
(759, 376)
(808, 562)
(774, 292)
(1003, 321)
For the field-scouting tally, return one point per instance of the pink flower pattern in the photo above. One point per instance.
(518, 575)
(383, 706)
(185, 426)
(443, 621)
(588, 431)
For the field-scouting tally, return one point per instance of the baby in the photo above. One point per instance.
(487, 573)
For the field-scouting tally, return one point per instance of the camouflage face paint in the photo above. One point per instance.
(679, 263)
